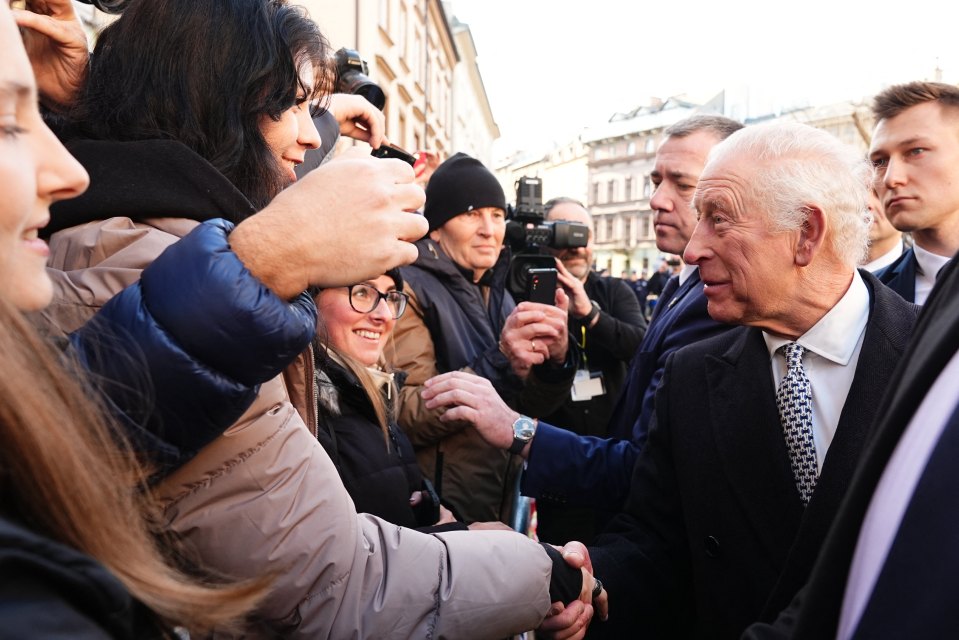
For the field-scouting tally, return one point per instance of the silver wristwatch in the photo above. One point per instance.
(523, 430)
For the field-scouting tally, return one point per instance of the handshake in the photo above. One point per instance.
(570, 622)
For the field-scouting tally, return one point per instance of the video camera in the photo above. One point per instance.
(351, 77)
(529, 234)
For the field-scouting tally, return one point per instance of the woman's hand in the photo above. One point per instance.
(57, 46)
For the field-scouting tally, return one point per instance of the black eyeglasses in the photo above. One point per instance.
(364, 298)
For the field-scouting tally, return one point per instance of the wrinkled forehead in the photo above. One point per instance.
(726, 177)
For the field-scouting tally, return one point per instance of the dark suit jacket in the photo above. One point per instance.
(596, 472)
(900, 276)
(815, 612)
(714, 527)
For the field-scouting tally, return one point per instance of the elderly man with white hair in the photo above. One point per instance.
(756, 431)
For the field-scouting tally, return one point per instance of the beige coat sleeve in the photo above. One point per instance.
(265, 498)
(91, 263)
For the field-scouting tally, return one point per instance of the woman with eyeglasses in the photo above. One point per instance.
(356, 396)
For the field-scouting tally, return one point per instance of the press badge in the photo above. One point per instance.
(587, 384)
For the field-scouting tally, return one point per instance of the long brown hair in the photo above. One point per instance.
(384, 410)
(66, 474)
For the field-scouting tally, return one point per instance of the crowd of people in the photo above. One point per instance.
(245, 399)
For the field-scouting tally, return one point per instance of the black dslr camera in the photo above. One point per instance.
(529, 234)
(351, 77)
(108, 6)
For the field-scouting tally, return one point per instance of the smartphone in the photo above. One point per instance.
(389, 151)
(541, 286)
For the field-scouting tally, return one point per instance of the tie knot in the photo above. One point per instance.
(793, 352)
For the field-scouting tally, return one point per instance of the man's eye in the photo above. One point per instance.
(879, 163)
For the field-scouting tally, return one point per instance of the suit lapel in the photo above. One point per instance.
(750, 443)
(666, 310)
(887, 332)
(934, 342)
(904, 281)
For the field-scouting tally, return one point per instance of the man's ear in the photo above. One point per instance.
(812, 234)
(435, 235)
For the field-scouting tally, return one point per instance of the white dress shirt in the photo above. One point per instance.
(885, 259)
(832, 351)
(687, 271)
(893, 493)
(929, 266)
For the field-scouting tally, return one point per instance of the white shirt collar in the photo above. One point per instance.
(885, 259)
(930, 263)
(687, 271)
(837, 333)
(928, 266)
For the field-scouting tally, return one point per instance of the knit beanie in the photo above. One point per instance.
(459, 185)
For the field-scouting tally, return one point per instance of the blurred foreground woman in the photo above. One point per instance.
(77, 557)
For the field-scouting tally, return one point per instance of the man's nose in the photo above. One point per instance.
(696, 248)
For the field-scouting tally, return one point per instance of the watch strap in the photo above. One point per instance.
(589, 317)
(517, 447)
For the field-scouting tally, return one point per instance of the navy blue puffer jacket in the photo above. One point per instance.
(180, 354)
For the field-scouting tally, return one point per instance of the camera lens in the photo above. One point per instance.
(108, 6)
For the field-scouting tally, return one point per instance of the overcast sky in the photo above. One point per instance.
(553, 67)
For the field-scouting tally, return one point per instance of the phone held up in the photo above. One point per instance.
(541, 286)
(389, 151)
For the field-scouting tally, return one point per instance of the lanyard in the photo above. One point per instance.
(582, 343)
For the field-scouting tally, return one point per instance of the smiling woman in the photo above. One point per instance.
(237, 101)
(356, 404)
(35, 171)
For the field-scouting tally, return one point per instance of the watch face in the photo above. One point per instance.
(524, 428)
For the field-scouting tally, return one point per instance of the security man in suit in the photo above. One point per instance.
(915, 150)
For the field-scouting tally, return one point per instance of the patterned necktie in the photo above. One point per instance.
(794, 399)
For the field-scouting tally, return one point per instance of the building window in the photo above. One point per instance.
(628, 188)
(417, 57)
(384, 11)
(403, 25)
(596, 194)
(609, 228)
(650, 144)
(611, 191)
(647, 187)
(631, 148)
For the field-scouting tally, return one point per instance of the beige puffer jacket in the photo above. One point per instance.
(266, 498)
